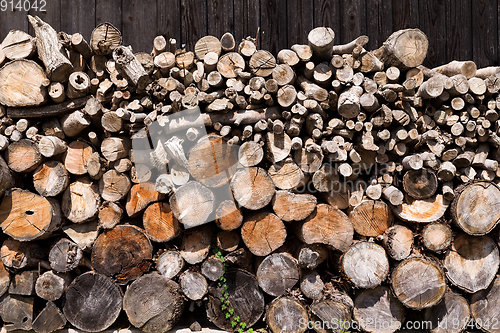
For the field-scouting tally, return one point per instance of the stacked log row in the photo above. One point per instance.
(338, 184)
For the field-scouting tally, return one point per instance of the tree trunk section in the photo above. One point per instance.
(371, 218)
(23, 156)
(65, 256)
(77, 156)
(252, 188)
(365, 265)
(334, 314)
(262, 232)
(212, 268)
(404, 49)
(192, 204)
(398, 242)
(277, 273)
(437, 237)
(420, 184)
(195, 244)
(193, 285)
(50, 179)
(483, 307)
(140, 196)
(449, 316)
(289, 206)
(228, 216)
(80, 201)
(51, 285)
(286, 314)
(169, 264)
(50, 319)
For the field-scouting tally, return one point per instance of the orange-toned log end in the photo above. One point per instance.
(263, 232)
(123, 253)
(26, 216)
(77, 156)
(140, 196)
(228, 216)
(371, 218)
(422, 211)
(160, 223)
(23, 156)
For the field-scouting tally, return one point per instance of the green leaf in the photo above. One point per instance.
(228, 315)
(223, 307)
(250, 330)
(237, 318)
(231, 311)
(222, 299)
(226, 295)
(222, 260)
(240, 330)
(233, 323)
(228, 303)
(243, 325)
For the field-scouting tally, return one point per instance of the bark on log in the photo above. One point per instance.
(212, 268)
(334, 314)
(365, 265)
(483, 309)
(262, 232)
(311, 285)
(50, 179)
(6, 179)
(19, 255)
(321, 41)
(128, 62)
(17, 312)
(398, 242)
(437, 237)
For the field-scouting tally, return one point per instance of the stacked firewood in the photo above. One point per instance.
(340, 185)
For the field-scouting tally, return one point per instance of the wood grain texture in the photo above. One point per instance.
(405, 14)
(379, 23)
(458, 29)
(326, 13)
(193, 22)
(109, 11)
(299, 20)
(136, 17)
(432, 16)
(169, 20)
(78, 16)
(272, 24)
(484, 24)
(10, 20)
(220, 15)
(247, 19)
(52, 16)
(353, 15)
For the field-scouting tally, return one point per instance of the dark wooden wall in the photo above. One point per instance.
(457, 29)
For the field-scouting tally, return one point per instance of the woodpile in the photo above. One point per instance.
(324, 185)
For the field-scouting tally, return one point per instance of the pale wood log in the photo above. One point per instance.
(105, 38)
(321, 41)
(114, 186)
(128, 62)
(229, 63)
(51, 145)
(169, 264)
(22, 83)
(431, 88)
(422, 211)
(80, 201)
(286, 314)
(451, 315)
(18, 45)
(311, 284)
(250, 153)
(309, 162)
(404, 49)
(65, 256)
(78, 85)
(398, 242)
(393, 195)
(50, 179)
(195, 245)
(466, 68)
(437, 237)
(74, 123)
(207, 44)
(193, 285)
(286, 174)
(312, 90)
(192, 204)
(252, 188)
(18, 255)
(370, 63)
(288, 57)
(293, 207)
(333, 312)
(349, 47)
(76, 157)
(286, 96)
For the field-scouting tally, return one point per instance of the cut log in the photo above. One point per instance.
(293, 207)
(252, 188)
(278, 146)
(65, 256)
(77, 156)
(123, 253)
(92, 302)
(169, 264)
(50, 179)
(192, 204)
(80, 201)
(424, 292)
(19, 255)
(23, 156)
(26, 216)
(277, 273)
(371, 218)
(262, 63)
(331, 316)
(78, 85)
(23, 283)
(105, 38)
(451, 315)
(51, 285)
(437, 237)
(51, 145)
(286, 175)
(473, 208)
(263, 232)
(127, 61)
(50, 319)
(404, 49)
(229, 64)
(6, 179)
(398, 242)
(483, 309)
(472, 262)
(227, 241)
(159, 223)
(286, 314)
(114, 186)
(110, 214)
(212, 268)
(115, 148)
(4, 278)
(22, 84)
(195, 244)
(228, 216)
(466, 68)
(250, 154)
(378, 311)
(349, 103)
(18, 45)
(326, 225)
(207, 44)
(139, 196)
(311, 285)
(227, 42)
(311, 255)
(309, 162)
(83, 234)
(422, 211)
(365, 265)
(321, 41)
(193, 285)
(420, 184)
(17, 312)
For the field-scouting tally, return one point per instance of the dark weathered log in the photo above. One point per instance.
(333, 314)
(286, 314)
(420, 184)
(277, 273)
(483, 309)
(23, 283)
(65, 256)
(50, 319)
(451, 315)
(262, 232)
(17, 312)
(47, 111)
(52, 285)
(311, 284)
(212, 268)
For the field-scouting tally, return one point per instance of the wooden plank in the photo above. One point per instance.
(220, 17)
(326, 13)
(300, 21)
(109, 11)
(247, 19)
(193, 22)
(12, 19)
(273, 26)
(404, 14)
(139, 24)
(169, 19)
(458, 30)
(378, 22)
(51, 15)
(353, 19)
(484, 28)
(432, 22)
(78, 16)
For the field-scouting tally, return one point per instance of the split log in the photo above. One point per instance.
(23, 156)
(451, 315)
(398, 242)
(159, 223)
(19, 255)
(422, 211)
(311, 255)
(139, 197)
(18, 45)
(105, 38)
(92, 302)
(26, 216)
(77, 156)
(195, 244)
(286, 314)
(23, 283)
(404, 49)
(50, 319)
(309, 162)
(192, 204)
(17, 312)
(262, 232)
(371, 218)
(472, 263)
(293, 207)
(311, 285)
(278, 146)
(365, 265)
(51, 285)
(6, 179)
(50, 51)
(65, 256)
(420, 184)
(169, 264)
(473, 209)
(252, 188)
(326, 225)
(437, 237)
(424, 292)
(193, 285)
(228, 216)
(123, 253)
(80, 201)
(277, 273)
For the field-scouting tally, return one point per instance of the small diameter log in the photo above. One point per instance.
(76, 157)
(195, 244)
(227, 241)
(420, 184)
(473, 208)
(378, 311)
(252, 188)
(404, 49)
(472, 263)
(483, 309)
(451, 315)
(365, 265)
(311, 255)
(371, 218)
(192, 204)
(212, 268)
(78, 85)
(245, 298)
(123, 253)
(424, 292)
(262, 232)
(393, 195)
(422, 211)
(466, 68)
(114, 186)
(19, 255)
(23, 283)
(50, 51)
(286, 174)
(110, 214)
(65, 256)
(277, 273)
(349, 102)
(286, 314)
(105, 38)
(227, 42)
(51, 145)
(159, 223)
(139, 197)
(326, 225)
(321, 41)
(51, 285)
(309, 162)
(23, 156)
(74, 123)
(127, 62)
(169, 264)
(115, 148)
(431, 88)
(26, 216)
(193, 285)
(398, 242)
(437, 237)
(293, 207)
(311, 284)
(333, 313)
(92, 302)
(228, 216)
(349, 47)
(50, 319)
(50, 178)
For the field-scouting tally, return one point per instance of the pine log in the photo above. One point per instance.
(326, 225)
(365, 265)
(378, 311)
(123, 253)
(159, 223)
(424, 292)
(398, 242)
(115, 148)
(92, 302)
(50, 319)
(472, 262)
(193, 285)
(169, 264)
(195, 244)
(286, 314)
(404, 49)
(262, 232)
(252, 188)
(26, 216)
(422, 211)
(51, 285)
(277, 273)
(293, 207)
(192, 204)
(23, 156)
(371, 218)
